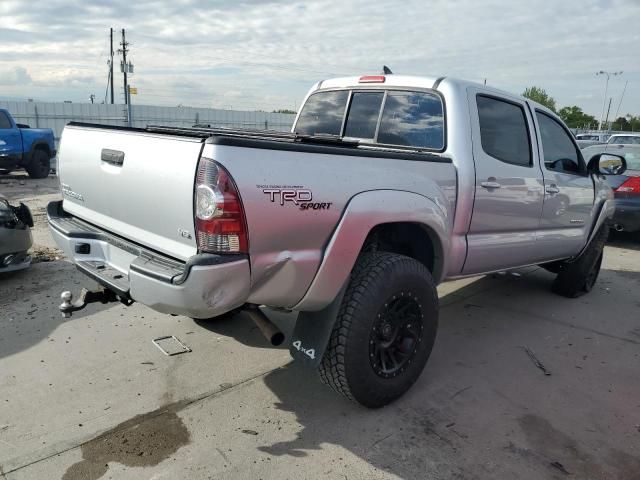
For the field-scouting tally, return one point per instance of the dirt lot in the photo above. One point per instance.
(91, 397)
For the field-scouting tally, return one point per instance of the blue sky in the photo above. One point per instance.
(259, 54)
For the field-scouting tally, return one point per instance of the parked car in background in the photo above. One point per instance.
(15, 236)
(624, 139)
(587, 139)
(24, 147)
(626, 187)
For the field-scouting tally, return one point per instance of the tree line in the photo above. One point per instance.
(573, 115)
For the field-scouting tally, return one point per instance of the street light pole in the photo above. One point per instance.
(606, 88)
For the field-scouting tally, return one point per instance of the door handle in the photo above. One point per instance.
(113, 157)
(490, 184)
(552, 189)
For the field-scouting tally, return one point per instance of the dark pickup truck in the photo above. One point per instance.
(25, 147)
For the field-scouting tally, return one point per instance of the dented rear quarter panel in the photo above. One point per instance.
(287, 243)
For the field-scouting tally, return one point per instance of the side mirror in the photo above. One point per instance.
(607, 164)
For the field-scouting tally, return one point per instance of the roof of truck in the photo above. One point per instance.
(404, 81)
(394, 80)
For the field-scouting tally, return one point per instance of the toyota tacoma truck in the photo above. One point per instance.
(386, 186)
(24, 147)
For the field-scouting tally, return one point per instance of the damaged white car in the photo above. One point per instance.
(15, 236)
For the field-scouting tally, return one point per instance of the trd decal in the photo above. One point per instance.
(282, 195)
(301, 197)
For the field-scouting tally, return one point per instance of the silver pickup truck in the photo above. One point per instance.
(387, 186)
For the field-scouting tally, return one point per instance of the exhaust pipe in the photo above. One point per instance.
(266, 326)
(618, 227)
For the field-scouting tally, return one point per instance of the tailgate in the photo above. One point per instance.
(134, 184)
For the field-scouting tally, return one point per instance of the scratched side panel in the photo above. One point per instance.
(286, 243)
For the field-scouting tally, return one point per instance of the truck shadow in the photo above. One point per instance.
(240, 327)
(630, 241)
(437, 429)
(29, 301)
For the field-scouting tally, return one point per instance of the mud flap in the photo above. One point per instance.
(312, 332)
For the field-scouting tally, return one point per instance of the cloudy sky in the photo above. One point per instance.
(248, 54)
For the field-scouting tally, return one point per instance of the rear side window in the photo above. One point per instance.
(4, 121)
(363, 115)
(560, 154)
(413, 119)
(503, 130)
(323, 113)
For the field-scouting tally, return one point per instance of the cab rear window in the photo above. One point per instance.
(323, 113)
(392, 117)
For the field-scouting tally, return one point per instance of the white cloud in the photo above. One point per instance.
(14, 76)
(265, 54)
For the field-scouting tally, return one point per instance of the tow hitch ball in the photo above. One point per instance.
(68, 306)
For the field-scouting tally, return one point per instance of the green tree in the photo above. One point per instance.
(634, 122)
(574, 117)
(621, 123)
(539, 95)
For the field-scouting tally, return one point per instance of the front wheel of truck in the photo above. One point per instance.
(384, 331)
(578, 277)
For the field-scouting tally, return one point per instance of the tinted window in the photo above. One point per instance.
(503, 131)
(363, 114)
(412, 118)
(625, 140)
(323, 113)
(560, 154)
(4, 121)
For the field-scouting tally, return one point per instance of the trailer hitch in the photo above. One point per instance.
(103, 295)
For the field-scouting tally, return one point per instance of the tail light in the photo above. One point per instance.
(219, 216)
(630, 186)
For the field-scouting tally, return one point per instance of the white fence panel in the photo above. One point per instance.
(57, 115)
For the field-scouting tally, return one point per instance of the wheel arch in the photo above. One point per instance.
(38, 145)
(389, 220)
(411, 239)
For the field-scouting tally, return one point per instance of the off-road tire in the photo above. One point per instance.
(377, 281)
(577, 278)
(40, 164)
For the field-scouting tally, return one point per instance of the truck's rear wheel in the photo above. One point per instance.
(40, 164)
(577, 278)
(384, 331)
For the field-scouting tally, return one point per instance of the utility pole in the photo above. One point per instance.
(125, 67)
(621, 97)
(606, 87)
(111, 62)
(608, 110)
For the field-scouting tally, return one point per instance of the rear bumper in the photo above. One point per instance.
(627, 214)
(205, 286)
